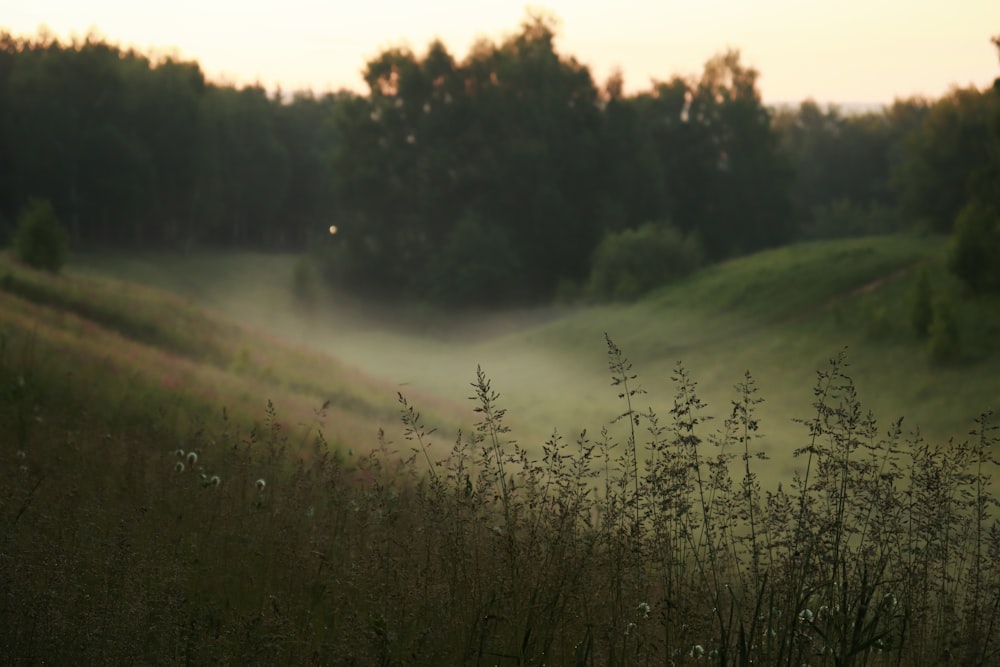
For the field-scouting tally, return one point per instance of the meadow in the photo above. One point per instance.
(218, 475)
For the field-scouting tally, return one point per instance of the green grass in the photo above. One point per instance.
(141, 525)
(124, 349)
(780, 314)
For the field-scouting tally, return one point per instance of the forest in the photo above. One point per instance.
(506, 176)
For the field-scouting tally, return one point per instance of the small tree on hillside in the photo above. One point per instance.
(40, 241)
(975, 248)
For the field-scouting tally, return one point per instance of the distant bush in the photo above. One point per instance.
(477, 265)
(629, 263)
(921, 305)
(944, 341)
(975, 247)
(39, 240)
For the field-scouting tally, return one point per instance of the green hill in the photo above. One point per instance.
(780, 314)
(125, 354)
(141, 524)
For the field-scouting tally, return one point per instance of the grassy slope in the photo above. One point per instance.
(128, 353)
(780, 314)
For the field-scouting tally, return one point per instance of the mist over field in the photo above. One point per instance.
(492, 364)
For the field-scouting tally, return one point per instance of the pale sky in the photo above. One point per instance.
(845, 51)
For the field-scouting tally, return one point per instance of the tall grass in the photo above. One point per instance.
(653, 543)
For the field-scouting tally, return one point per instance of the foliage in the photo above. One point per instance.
(655, 540)
(634, 261)
(922, 304)
(844, 165)
(974, 249)
(954, 158)
(476, 266)
(143, 152)
(40, 241)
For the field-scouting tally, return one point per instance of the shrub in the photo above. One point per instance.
(921, 305)
(944, 340)
(975, 247)
(40, 241)
(629, 263)
(477, 265)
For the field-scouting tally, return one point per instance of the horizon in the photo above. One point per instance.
(848, 53)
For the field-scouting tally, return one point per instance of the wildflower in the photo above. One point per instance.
(697, 651)
(192, 458)
(260, 484)
(179, 453)
(644, 609)
(806, 615)
(179, 466)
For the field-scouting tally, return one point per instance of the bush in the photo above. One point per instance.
(921, 305)
(629, 263)
(477, 265)
(40, 241)
(975, 248)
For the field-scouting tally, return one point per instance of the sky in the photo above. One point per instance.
(842, 51)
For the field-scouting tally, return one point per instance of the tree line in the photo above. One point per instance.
(503, 176)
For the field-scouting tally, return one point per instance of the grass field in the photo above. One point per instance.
(158, 508)
(780, 314)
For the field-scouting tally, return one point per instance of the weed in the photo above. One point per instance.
(655, 542)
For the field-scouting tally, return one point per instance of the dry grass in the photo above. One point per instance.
(653, 542)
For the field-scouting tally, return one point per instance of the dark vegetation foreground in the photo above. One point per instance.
(127, 540)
